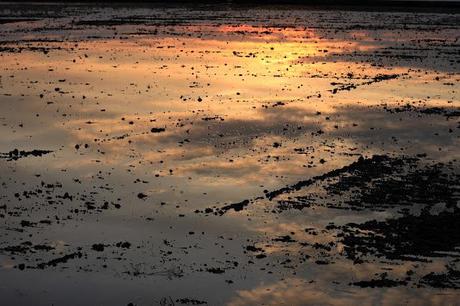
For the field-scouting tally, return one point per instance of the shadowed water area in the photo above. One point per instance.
(225, 156)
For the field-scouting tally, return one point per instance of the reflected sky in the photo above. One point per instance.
(155, 114)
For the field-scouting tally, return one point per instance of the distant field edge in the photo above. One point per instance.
(446, 6)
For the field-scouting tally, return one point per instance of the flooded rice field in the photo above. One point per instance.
(228, 156)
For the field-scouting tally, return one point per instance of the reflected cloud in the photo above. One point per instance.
(295, 291)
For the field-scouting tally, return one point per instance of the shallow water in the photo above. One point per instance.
(158, 119)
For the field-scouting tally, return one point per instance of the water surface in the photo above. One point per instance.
(128, 133)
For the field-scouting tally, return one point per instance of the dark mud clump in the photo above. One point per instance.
(397, 183)
(405, 238)
(364, 168)
(382, 282)
(63, 259)
(378, 183)
(442, 111)
(17, 154)
(215, 270)
(188, 301)
(450, 279)
(376, 79)
(26, 247)
(157, 130)
(235, 206)
(98, 247)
